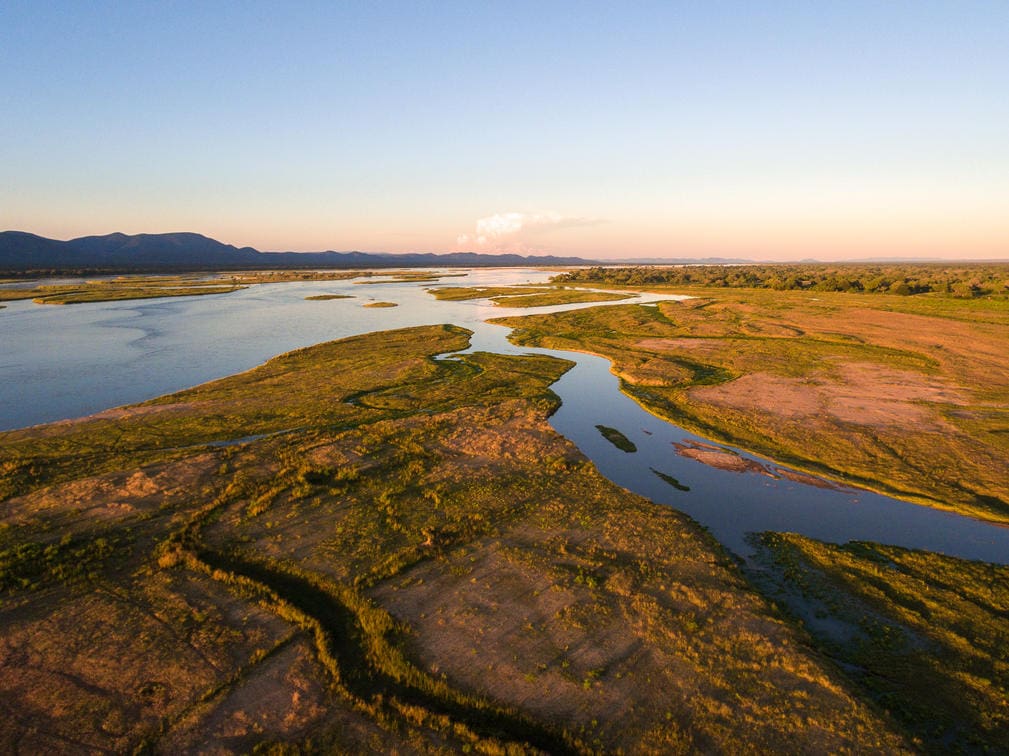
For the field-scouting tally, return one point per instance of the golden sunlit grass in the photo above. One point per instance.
(524, 296)
(150, 287)
(459, 293)
(906, 395)
(356, 547)
(117, 289)
(924, 634)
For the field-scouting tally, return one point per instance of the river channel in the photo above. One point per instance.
(64, 362)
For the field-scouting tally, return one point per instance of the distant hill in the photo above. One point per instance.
(21, 251)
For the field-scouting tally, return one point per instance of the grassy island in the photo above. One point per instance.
(617, 438)
(150, 287)
(112, 290)
(525, 296)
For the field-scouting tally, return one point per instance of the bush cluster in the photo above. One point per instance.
(966, 281)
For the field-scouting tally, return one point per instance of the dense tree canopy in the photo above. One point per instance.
(966, 280)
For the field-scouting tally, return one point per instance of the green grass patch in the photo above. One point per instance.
(923, 634)
(31, 565)
(462, 293)
(670, 480)
(617, 438)
(525, 296)
(558, 297)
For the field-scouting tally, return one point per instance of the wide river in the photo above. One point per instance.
(63, 362)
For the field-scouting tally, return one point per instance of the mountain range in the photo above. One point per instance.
(22, 251)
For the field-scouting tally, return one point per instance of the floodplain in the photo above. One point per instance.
(129, 287)
(405, 556)
(904, 395)
(372, 544)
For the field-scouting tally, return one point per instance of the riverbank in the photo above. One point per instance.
(486, 585)
(905, 396)
(135, 287)
(920, 633)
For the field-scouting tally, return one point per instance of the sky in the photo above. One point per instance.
(757, 130)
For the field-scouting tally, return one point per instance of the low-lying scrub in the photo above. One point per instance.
(923, 634)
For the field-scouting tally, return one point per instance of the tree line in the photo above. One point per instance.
(965, 280)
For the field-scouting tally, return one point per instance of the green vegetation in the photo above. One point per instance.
(905, 395)
(381, 304)
(117, 289)
(458, 293)
(410, 277)
(110, 295)
(398, 555)
(268, 400)
(617, 438)
(149, 287)
(670, 480)
(558, 297)
(29, 565)
(327, 297)
(525, 296)
(923, 634)
(965, 281)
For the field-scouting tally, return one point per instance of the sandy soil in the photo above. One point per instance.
(975, 351)
(720, 458)
(857, 393)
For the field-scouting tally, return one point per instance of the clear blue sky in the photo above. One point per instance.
(773, 130)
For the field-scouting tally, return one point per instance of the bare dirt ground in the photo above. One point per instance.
(974, 353)
(858, 393)
(551, 617)
(719, 458)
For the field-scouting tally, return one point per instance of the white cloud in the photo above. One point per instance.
(516, 231)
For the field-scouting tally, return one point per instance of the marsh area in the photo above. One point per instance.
(395, 530)
(60, 364)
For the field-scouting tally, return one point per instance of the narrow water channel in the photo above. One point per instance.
(58, 363)
(732, 504)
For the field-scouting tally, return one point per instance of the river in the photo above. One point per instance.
(63, 362)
